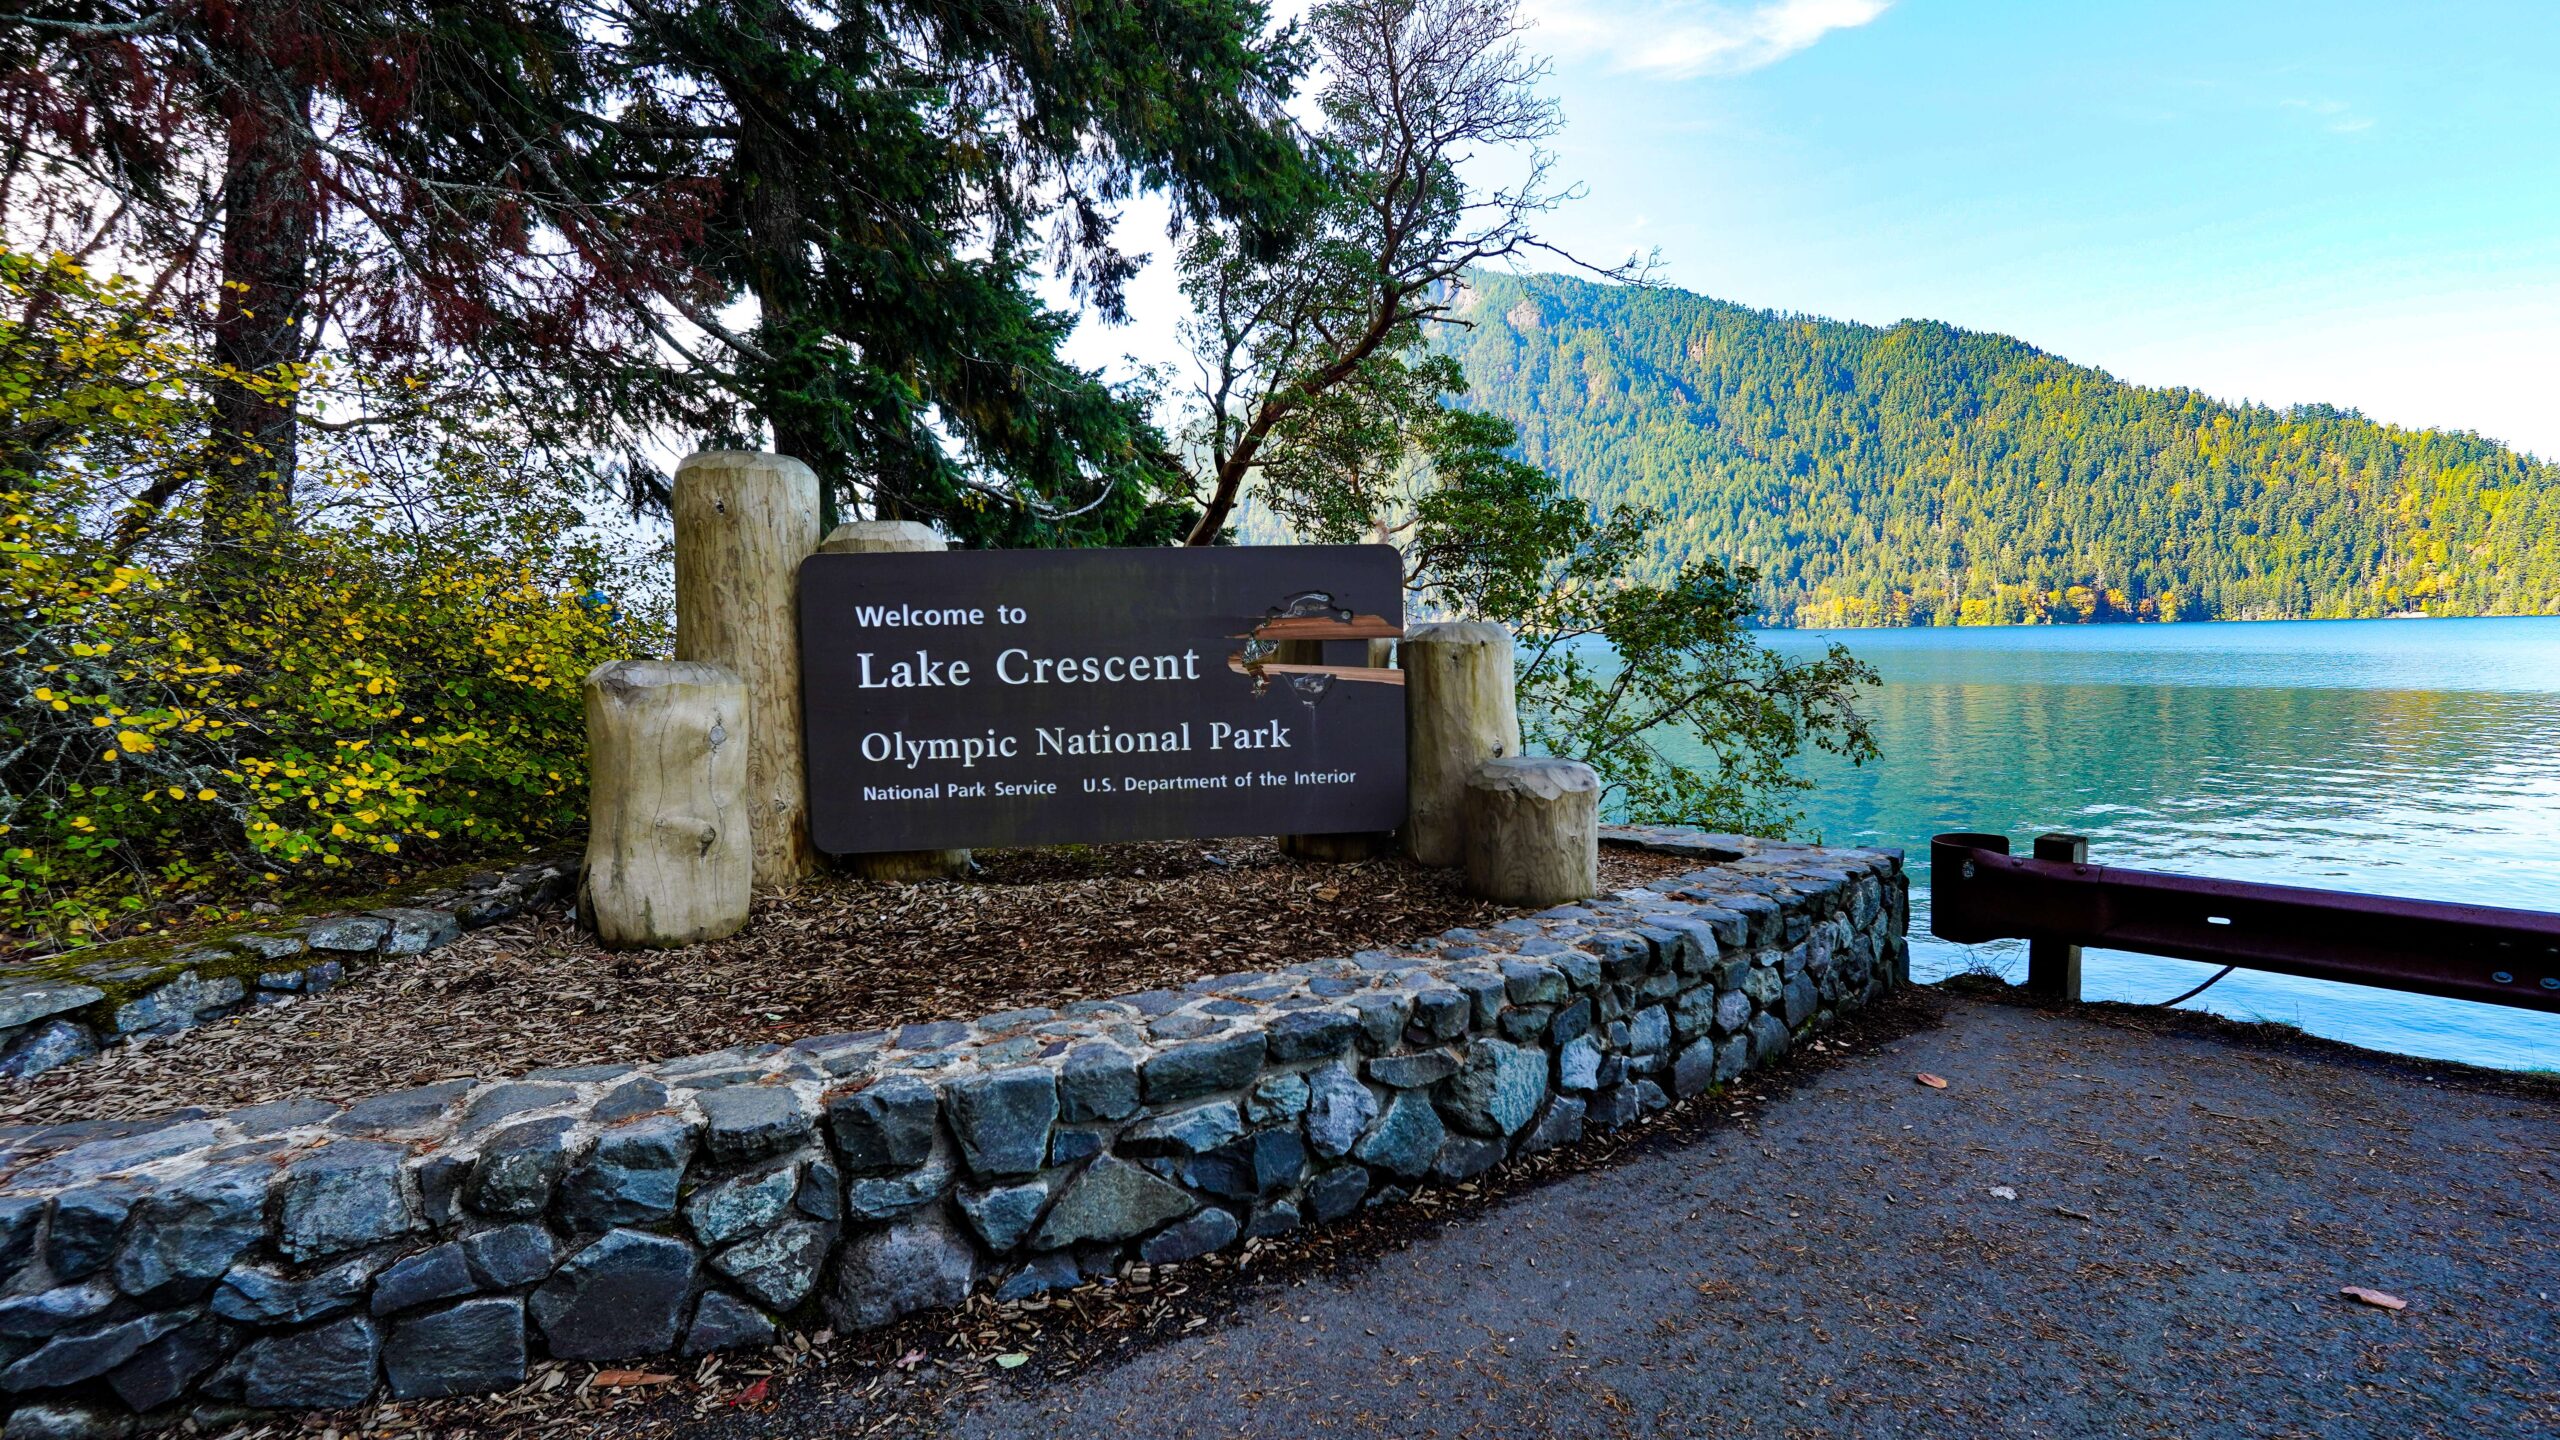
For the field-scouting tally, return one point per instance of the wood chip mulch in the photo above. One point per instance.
(1030, 927)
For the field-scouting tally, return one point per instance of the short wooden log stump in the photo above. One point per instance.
(1533, 831)
(670, 860)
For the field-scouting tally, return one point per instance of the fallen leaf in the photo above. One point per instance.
(1932, 1081)
(754, 1394)
(2003, 1192)
(1328, 893)
(630, 1379)
(911, 1360)
(1007, 1362)
(2374, 1298)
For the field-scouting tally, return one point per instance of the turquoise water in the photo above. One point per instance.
(2416, 758)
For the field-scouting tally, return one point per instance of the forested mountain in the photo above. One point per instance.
(1921, 474)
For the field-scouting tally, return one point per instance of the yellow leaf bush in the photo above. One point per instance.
(396, 686)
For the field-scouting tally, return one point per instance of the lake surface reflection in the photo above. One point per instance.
(2417, 758)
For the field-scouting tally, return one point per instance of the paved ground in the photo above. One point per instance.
(2187, 1208)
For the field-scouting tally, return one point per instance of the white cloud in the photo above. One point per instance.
(1682, 39)
(2335, 116)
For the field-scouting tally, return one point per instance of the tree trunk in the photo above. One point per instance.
(1353, 846)
(744, 521)
(270, 223)
(891, 537)
(1533, 831)
(1460, 710)
(669, 859)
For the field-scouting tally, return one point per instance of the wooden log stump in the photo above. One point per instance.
(744, 521)
(1349, 847)
(892, 537)
(670, 855)
(1460, 710)
(1533, 831)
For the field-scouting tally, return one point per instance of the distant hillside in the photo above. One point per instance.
(1922, 474)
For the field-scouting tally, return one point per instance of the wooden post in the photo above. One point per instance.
(744, 521)
(1533, 831)
(2053, 968)
(669, 858)
(890, 537)
(1459, 711)
(1350, 847)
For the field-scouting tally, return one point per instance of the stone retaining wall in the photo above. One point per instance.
(62, 1008)
(430, 1242)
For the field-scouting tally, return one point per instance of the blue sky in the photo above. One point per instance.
(2355, 201)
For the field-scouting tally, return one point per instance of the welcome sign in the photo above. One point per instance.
(1031, 697)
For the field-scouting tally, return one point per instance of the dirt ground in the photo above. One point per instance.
(1030, 927)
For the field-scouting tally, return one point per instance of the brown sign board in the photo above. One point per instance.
(1029, 697)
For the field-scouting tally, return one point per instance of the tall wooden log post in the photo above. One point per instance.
(879, 537)
(1349, 847)
(669, 858)
(744, 522)
(1533, 831)
(1459, 711)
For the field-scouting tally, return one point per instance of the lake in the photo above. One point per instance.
(2401, 757)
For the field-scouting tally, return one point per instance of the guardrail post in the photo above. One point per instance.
(2053, 968)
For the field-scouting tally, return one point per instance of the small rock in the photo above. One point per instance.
(258, 1295)
(1578, 1065)
(1003, 1215)
(476, 1346)
(779, 1267)
(1202, 1067)
(724, 1322)
(721, 1212)
(1277, 1100)
(1112, 1200)
(1413, 1071)
(630, 1177)
(1336, 1193)
(348, 934)
(1312, 1035)
(1206, 1229)
(1405, 1139)
(510, 1255)
(184, 1237)
(519, 1167)
(1695, 1070)
(920, 1263)
(1339, 1108)
(1500, 1089)
(1561, 1124)
(325, 1367)
(437, 1273)
(162, 1370)
(48, 1046)
(1002, 1120)
(617, 1298)
(1098, 1082)
(886, 1125)
(747, 1123)
(85, 1354)
(1192, 1131)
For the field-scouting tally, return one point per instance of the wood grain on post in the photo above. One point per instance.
(1460, 710)
(744, 521)
(669, 855)
(1533, 831)
(1348, 847)
(887, 537)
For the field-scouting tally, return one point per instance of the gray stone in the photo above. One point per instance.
(1614, 1107)
(779, 1267)
(86, 1221)
(821, 1193)
(1733, 1056)
(1312, 1035)
(177, 1004)
(920, 1263)
(747, 1123)
(272, 948)
(1068, 1147)
(1414, 1071)
(1733, 1012)
(1769, 1038)
(325, 1367)
(1002, 1120)
(1763, 986)
(1202, 1067)
(887, 1125)
(162, 1370)
(1206, 1229)
(1441, 1014)
(48, 1046)
(277, 1116)
(184, 1237)
(476, 1346)
(120, 1149)
(1112, 1200)
(630, 1177)
(1695, 1070)
(437, 1273)
(637, 1096)
(1571, 1023)
(1500, 1089)
(721, 1212)
(1464, 1157)
(347, 934)
(417, 931)
(1278, 1159)
(1056, 1270)
(19, 1215)
(1561, 1124)
(49, 1312)
(724, 1322)
(1486, 994)
(68, 1420)
(402, 1109)
(617, 1298)
(1336, 1193)
(1694, 1014)
(1578, 1065)
(86, 1354)
(1003, 1215)
(1276, 1100)
(1339, 1108)
(1532, 982)
(1098, 1082)
(260, 1295)
(1405, 1139)
(505, 1102)
(1382, 1020)
(519, 1167)
(883, 1197)
(1800, 1001)
(510, 1255)
(1192, 1131)
(1648, 1095)
(1273, 1217)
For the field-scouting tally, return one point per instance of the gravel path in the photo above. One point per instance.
(1841, 1263)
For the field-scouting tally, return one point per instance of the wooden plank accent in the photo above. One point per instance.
(1365, 674)
(1316, 627)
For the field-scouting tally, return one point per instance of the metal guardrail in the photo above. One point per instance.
(2058, 902)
